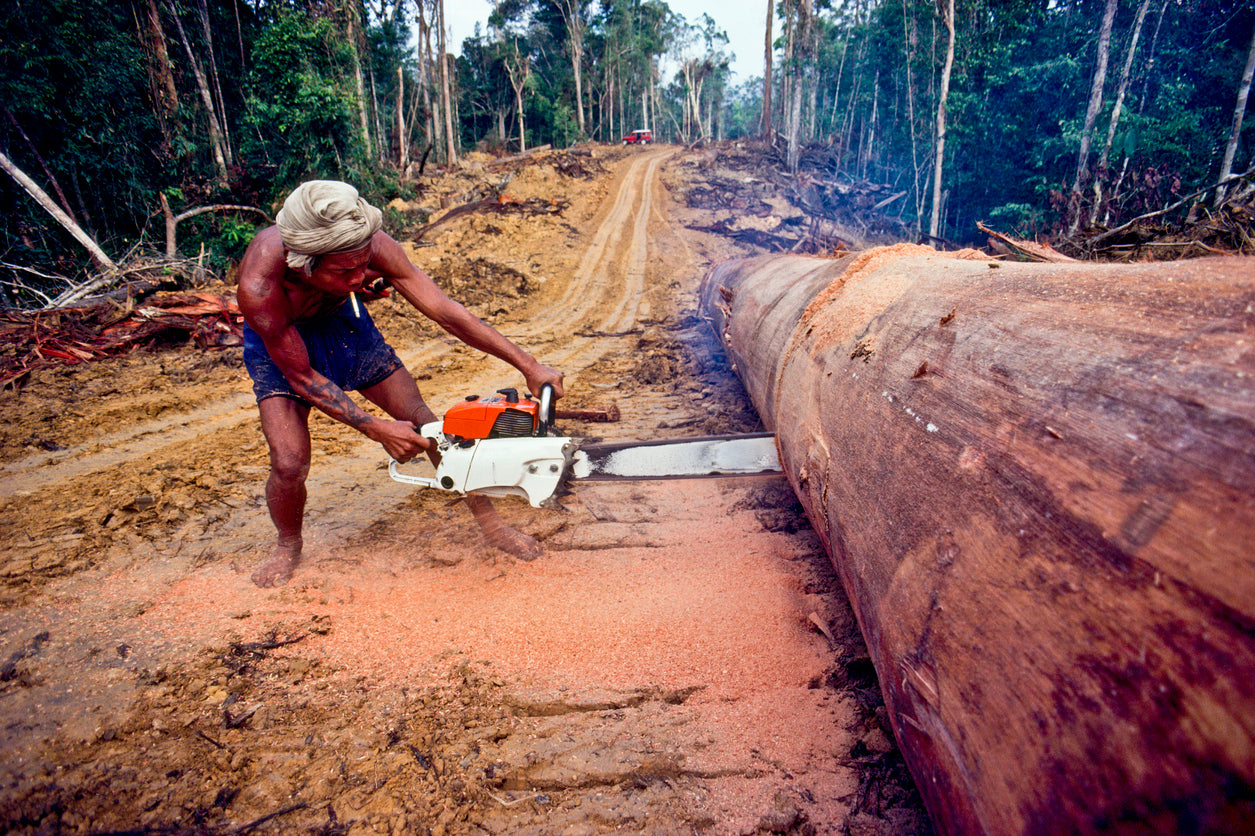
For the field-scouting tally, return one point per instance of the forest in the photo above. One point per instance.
(171, 127)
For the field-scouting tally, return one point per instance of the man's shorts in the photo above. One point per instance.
(348, 350)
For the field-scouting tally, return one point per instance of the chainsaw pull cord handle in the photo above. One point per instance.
(546, 410)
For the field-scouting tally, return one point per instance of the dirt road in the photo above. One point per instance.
(662, 668)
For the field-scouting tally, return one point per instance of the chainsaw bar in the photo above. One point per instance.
(681, 458)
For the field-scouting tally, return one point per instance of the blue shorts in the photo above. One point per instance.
(348, 350)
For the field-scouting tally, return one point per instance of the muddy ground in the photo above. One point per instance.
(681, 659)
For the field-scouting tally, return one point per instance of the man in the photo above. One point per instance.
(307, 341)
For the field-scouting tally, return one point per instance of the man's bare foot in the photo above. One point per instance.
(279, 568)
(499, 534)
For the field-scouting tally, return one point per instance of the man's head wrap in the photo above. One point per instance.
(322, 217)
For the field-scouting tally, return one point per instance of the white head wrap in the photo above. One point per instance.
(322, 217)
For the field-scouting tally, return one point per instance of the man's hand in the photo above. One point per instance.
(399, 438)
(541, 375)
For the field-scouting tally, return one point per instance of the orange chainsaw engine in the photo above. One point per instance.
(503, 415)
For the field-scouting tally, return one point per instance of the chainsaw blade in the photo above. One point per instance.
(681, 458)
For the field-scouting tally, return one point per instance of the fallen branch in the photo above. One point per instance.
(1030, 250)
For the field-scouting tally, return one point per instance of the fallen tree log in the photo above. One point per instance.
(1037, 483)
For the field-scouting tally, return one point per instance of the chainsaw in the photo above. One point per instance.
(500, 446)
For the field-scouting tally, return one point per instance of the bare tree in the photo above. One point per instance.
(517, 66)
(1239, 113)
(1091, 115)
(947, 19)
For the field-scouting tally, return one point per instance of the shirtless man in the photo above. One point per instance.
(307, 340)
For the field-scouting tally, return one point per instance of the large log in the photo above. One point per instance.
(1037, 483)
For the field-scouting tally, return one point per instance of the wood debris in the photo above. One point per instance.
(31, 340)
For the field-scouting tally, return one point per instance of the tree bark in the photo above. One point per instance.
(1239, 114)
(1035, 483)
(947, 16)
(97, 255)
(1091, 115)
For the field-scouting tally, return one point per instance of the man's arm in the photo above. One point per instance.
(423, 293)
(266, 307)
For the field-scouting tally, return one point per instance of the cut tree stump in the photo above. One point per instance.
(1037, 483)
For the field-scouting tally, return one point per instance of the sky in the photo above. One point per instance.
(743, 20)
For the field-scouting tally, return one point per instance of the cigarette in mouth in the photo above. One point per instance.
(357, 312)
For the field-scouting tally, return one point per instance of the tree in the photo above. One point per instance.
(518, 66)
(217, 143)
(767, 50)
(802, 53)
(1121, 91)
(947, 19)
(1091, 114)
(573, 15)
(446, 97)
(1239, 113)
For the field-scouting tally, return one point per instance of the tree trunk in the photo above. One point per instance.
(908, 27)
(517, 69)
(800, 38)
(425, 64)
(1042, 509)
(570, 10)
(355, 38)
(403, 145)
(1091, 115)
(206, 98)
(446, 97)
(1104, 160)
(161, 73)
(767, 50)
(934, 223)
(220, 102)
(98, 257)
(1239, 113)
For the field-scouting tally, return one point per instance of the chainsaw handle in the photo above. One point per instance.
(545, 413)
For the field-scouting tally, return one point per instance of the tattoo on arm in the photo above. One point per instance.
(336, 403)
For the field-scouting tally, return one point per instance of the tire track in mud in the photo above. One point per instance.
(606, 278)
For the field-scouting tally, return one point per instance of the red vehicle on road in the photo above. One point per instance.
(639, 137)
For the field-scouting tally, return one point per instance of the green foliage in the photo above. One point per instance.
(301, 105)
(74, 90)
(82, 82)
